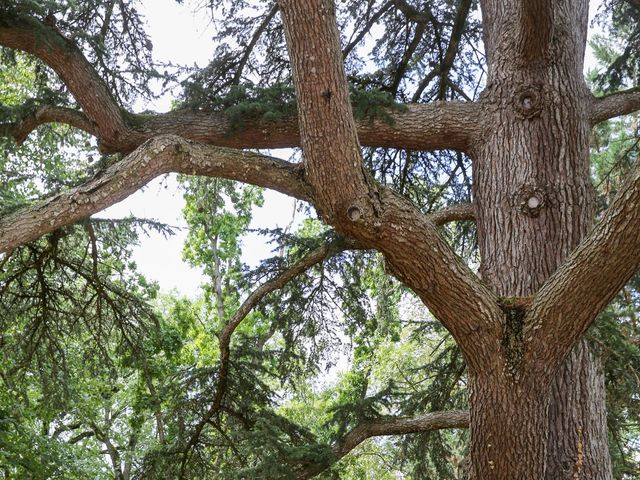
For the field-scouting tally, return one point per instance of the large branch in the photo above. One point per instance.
(614, 105)
(155, 157)
(452, 125)
(566, 305)
(64, 57)
(389, 426)
(359, 208)
(46, 114)
(443, 125)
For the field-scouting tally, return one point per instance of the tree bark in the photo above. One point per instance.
(578, 437)
(535, 203)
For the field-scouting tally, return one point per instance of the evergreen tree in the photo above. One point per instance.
(457, 251)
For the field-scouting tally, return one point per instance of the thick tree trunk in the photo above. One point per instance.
(534, 205)
(578, 438)
(508, 427)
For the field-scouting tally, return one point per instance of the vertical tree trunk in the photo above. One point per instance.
(535, 202)
(578, 441)
(508, 426)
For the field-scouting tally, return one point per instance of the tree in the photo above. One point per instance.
(547, 266)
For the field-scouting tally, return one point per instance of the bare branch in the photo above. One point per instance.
(454, 213)
(614, 105)
(566, 305)
(390, 426)
(21, 129)
(157, 156)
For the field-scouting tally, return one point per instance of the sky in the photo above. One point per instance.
(183, 36)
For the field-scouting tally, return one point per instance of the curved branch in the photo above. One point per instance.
(567, 304)
(350, 200)
(313, 258)
(155, 157)
(63, 56)
(21, 129)
(389, 426)
(614, 105)
(452, 125)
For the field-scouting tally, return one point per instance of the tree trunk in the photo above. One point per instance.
(578, 441)
(508, 427)
(534, 203)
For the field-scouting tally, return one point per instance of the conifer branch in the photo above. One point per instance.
(65, 58)
(388, 426)
(315, 257)
(614, 105)
(444, 125)
(155, 157)
(21, 129)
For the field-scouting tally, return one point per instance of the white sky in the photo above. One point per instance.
(181, 36)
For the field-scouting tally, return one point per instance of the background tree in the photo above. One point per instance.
(451, 133)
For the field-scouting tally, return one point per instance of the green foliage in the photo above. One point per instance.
(94, 356)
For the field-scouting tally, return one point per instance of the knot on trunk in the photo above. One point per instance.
(530, 199)
(528, 101)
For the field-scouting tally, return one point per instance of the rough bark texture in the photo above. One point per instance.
(536, 406)
(577, 420)
(157, 156)
(535, 203)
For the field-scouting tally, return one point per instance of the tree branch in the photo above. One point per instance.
(444, 125)
(252, 43)
(367, 28)
(21, 129)
(452, 49)
(350, 200)
(389, 426)
(64, 57)
(414, 14)
(454, 213)
(567, 304)
(614, 105)
(155, 157)
(313, 258)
